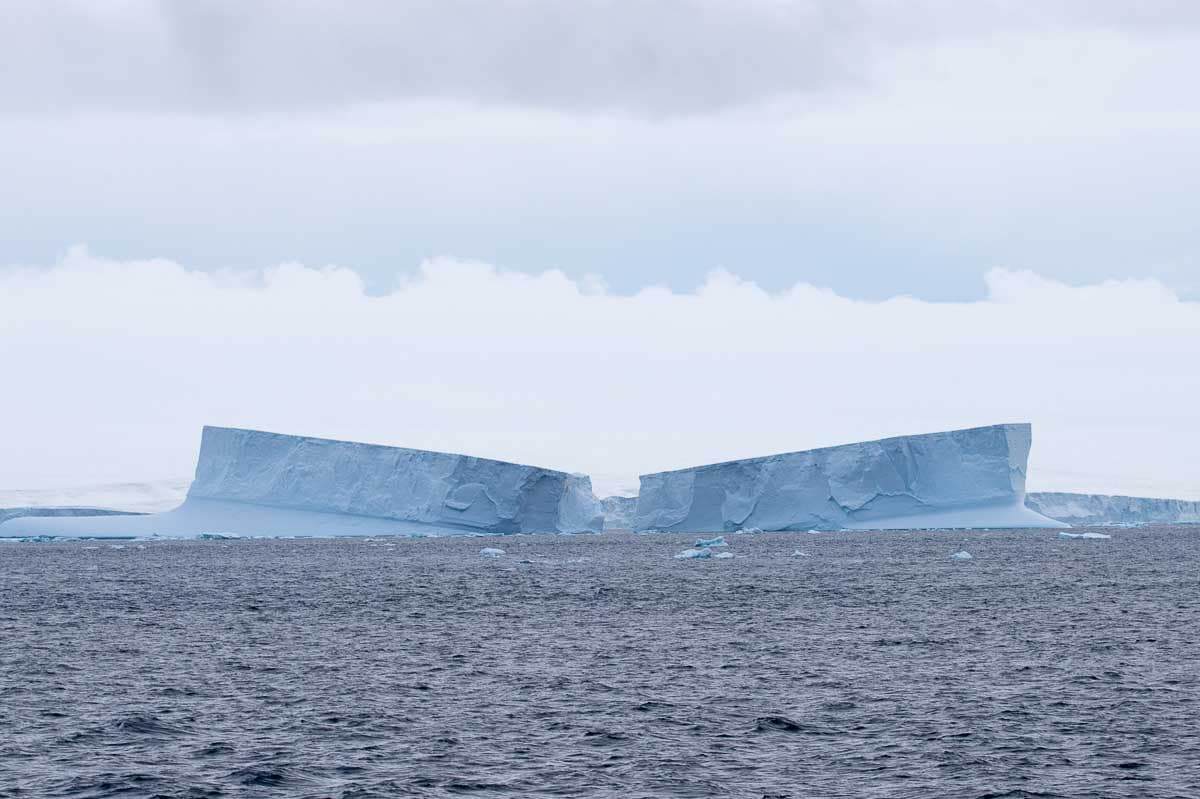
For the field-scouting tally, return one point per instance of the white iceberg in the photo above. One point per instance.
(955, 479)
(694, 554)
(719, 541)
(491, 552)
(1084, 536)
(723, 555)
(962, 555)
(265, 484)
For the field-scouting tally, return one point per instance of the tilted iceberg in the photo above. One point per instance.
(255, 483)
(1103, 509)
(959, 479)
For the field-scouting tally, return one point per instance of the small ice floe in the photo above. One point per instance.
(723, 555)
(800, 554)
(490, 552)
(1084, 536)
(962, 554)
(719, 541)
(116, 546)
(748, 530)
(694, 554)
(219, 537)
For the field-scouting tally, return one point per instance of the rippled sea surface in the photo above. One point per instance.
(874, 666)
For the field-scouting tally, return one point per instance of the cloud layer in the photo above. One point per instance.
(112, 367)
(658, 58)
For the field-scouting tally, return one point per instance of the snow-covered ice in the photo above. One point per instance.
(491, 552)
(719, 541)
(1084, 536)
(723, 555)
(694, 554)
(962, 555)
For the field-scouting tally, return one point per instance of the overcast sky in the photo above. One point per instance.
(853, 151)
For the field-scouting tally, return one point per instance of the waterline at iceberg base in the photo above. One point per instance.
(972, 478)
(253, 483)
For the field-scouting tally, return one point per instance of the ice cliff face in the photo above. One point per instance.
(441, 489)
(1102, 509)
(960, 478)
(258, 483)
(619, 512)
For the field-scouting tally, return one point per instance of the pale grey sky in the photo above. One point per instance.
(873, 147)
(846, 151)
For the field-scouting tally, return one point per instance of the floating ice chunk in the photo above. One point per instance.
(490, 552)
(800, 554)
(1083, 536)
(719, 541)
(748, 530)
(116, 546)
(724, 555)
(694, 554)
(219, 537)
(962, 555)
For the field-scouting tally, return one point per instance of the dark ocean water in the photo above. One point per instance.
(600, 666)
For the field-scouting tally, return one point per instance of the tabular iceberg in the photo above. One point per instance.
(1103, 509)
(959, 479)
(255, 483)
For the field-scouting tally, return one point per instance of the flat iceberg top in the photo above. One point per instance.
(1020, 429)
(214, 434)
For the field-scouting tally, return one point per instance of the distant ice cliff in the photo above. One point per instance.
(1103, 509)
(619, 512)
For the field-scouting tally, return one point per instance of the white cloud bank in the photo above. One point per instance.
(110, 369)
